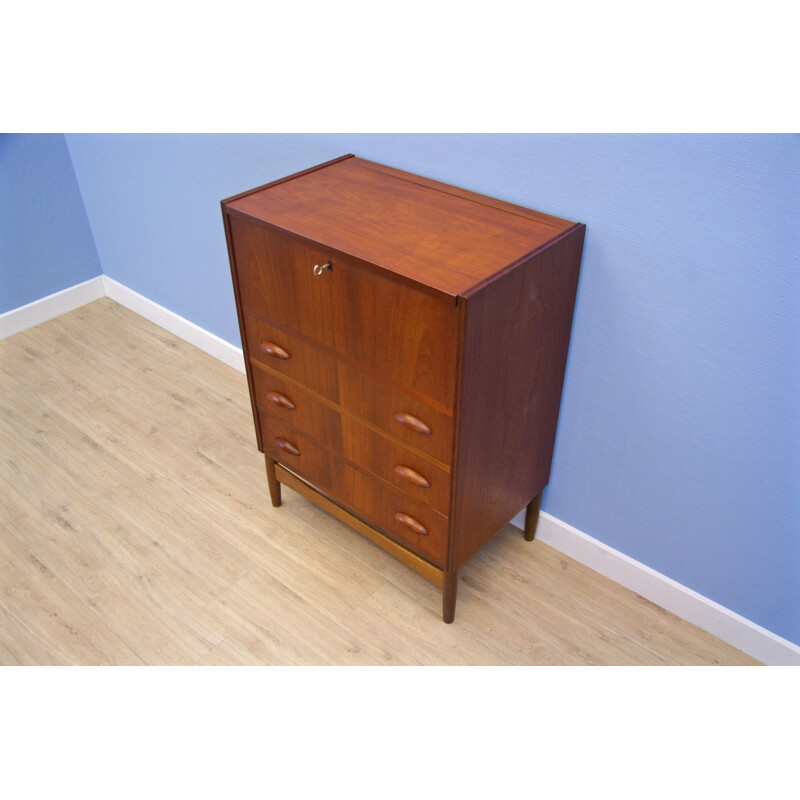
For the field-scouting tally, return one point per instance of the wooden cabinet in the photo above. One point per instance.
(405, 344)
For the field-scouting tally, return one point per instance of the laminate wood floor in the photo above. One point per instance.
(136, 528)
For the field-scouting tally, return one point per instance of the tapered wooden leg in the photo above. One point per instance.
(449, 589)
(532, 517)
(274, 486)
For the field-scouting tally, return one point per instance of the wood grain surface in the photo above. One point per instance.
(354, 487)
(446, 240)
(368, 318)
(511, 391)
(349, 389)
(356, 441)
(136, 528)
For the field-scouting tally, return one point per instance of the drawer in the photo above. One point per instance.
(380, 322)
(352, 439)
(414, 525)
(401, 415)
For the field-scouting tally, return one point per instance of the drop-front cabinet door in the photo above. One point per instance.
(385, 325)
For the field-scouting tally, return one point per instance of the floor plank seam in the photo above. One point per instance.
(226, 591)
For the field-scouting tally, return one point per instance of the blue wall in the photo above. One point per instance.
(679, 438)
(45, 241)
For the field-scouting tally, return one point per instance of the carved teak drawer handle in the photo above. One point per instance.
(413, 476)
(274, 350)
(411, 523)
(287, 447)
(281, 400)
(410, 421)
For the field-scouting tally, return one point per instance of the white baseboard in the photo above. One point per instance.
(663, 591)
(207, 342)
(27, 316)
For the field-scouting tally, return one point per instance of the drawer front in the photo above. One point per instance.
(382, 323)
(353, 440)
(414, 525)
(400, 415)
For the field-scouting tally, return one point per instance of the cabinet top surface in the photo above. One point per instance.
(446, 238)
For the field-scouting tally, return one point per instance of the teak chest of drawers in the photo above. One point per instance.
(405, 344)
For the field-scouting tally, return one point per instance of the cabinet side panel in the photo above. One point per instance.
(515, 352)
(240, 316)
